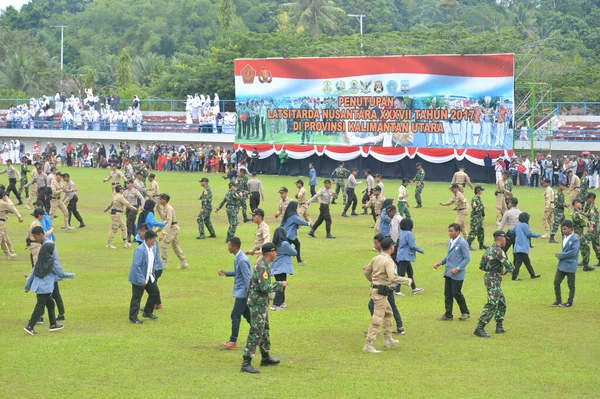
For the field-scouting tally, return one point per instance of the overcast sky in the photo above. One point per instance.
(15, 3)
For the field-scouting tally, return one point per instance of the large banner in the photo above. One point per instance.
(438, 101)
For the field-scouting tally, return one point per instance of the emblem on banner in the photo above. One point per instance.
(365, 86)
(327, 89)
(404, 86)
(392, 87)
(265, 75)
(354, 87)
(378, 87)
(248, 74)
(340, 87)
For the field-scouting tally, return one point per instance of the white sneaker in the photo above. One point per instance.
(276, 308)
(111, 246)
(399, 294)
(283, 305)
(368, 348)
(388, 342)
(417, 290)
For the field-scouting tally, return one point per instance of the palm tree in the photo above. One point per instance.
(16, 73)
(144, 67)
(316, 15)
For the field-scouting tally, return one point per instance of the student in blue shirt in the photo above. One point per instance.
(46, 221)
(522, 246)
(147, 217)
(241, 281)
(312, 179)
(290, 222)
(282, 265)
(406, 253)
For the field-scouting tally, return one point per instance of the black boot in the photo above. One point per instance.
(471, 248)
(267, 360)
(419, 205)
(552, 240)
(247, 367)
(499, 328)
(480, 332)
(481, 246)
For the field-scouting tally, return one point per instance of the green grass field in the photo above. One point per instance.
(546, 352)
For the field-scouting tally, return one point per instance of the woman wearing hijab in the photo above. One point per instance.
(147, 217)
(290, 222)
(522, 246)
(407, 248)
(46, 272)
(282, 265)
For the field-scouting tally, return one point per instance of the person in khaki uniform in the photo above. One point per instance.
(33, 193)
(501, 192)
(283, 202)
(462, 179)
(575, 187)
(116, 207)
(153, 193)
(170, 233)
(548, 216)
(6, 208)
(115, 176)
(461, 207)
(32, 244)
(381, 272)
(58, 188)
(376, 201)
(301, 198)
(262, 235)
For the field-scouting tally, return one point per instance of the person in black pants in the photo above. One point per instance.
(142, 278)
(12, 180)
(352, 200)
(71, 191)
(325, 194)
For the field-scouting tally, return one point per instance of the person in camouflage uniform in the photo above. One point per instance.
(508, 186)
(340, 174)
(24, 171)
(559, 210)
(204, 214)
(590, 211)
(495, 264)
(258, 303)
(477, 216)
(420, 179)
(242, 188)
(232, 205)
(579, 224)
(584, 186)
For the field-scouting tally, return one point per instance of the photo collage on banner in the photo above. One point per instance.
(437, 101)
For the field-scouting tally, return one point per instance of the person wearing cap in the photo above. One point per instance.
(140, 185)
(559, 210)
(340, 174)
(283, 202)
(324, 197)
(461, 179)
(154, 193)
(241, 280)
(256, 191)
(23, 180)
(548, 215)
(402, 196)
(379, 183)
(135, 199)
(352, 199)
(58, 188)
(460, 206)
(116, 207)
(376, 203)
(115, 176)
(258, 304)
(501, 192)
(575, 187)
(590, 211)
(263, 232)
(301, 198)
(71, 199)
(31, 243)
(38, 184)
(456, 262)
(420, 179)
(477, 216)
(206, 209)
(585, 185)
(13, 175)
(567, 265)
(170, 234)
(232, 203)
(243, 190)
(381, 273)
(368, 191)
(33, 194)
(495, 264)
(6, 207)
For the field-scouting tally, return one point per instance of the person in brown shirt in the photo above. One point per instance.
(7, 207)
(32, 244)
(170, 233)
(116, 206)
(301, 198)
(460, 206)
(462, 179)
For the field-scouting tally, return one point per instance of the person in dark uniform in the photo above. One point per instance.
(350, 187)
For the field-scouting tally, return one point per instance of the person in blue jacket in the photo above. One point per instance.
(46, 222)
(142, 278)
(522, 246)
(567, 264)
(158, 267)
(41, 281)
(406, 253)
(147, 217)
(282, 265)
(290, 222)
(241, 281)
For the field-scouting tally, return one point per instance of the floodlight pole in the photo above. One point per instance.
(62, 42)
(359, 17)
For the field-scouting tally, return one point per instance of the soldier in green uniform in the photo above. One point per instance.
(579, 224)
(584, 185)
(242, 188)
(495, 264)
(204, 214)
(477, 216)
(340, 174)
(24, 171)
(232, 205)
(420, 179)
(508, 186)
(559, 210)
(258, 303)
(590, 211)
